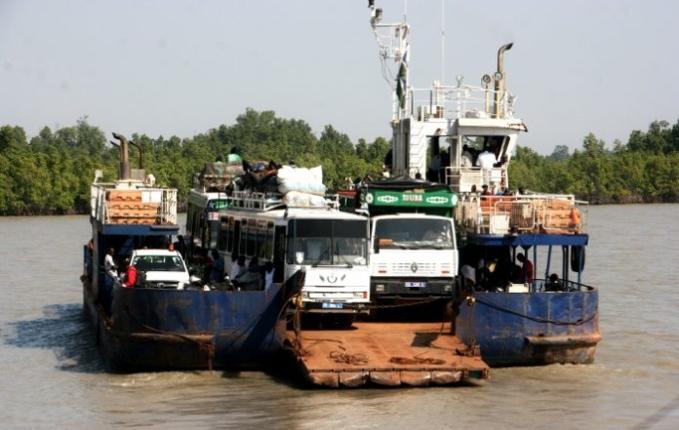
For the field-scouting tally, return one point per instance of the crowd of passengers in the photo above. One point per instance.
(497, 274)
(252, 276)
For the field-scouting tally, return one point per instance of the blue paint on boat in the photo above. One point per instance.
(532, 328)
(537, 326)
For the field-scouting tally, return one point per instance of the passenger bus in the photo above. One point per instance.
(330, 245)
(202, 218)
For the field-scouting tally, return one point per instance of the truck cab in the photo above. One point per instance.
(161, 268)
(412, 255)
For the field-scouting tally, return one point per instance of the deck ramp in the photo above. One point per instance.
(386, 354)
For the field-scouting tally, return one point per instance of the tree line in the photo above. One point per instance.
(51, 173)
(645, 169)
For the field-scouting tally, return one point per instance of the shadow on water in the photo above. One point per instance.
(63, 329)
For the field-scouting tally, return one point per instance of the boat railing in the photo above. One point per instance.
(546, 286)
(521, 214)
(133, 203)
(462, 101)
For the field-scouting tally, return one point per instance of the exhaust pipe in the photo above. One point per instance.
(500, 79)
(124, 172)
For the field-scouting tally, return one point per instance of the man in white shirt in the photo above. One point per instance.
(110, 265)
(486, 159)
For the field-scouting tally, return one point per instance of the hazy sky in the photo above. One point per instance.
(180, 67)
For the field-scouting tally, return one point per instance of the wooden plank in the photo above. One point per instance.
(124, 195)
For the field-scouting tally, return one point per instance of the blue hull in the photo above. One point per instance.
(532, 328)
(152, 329)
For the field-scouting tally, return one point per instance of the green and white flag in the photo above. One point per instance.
(402, 78)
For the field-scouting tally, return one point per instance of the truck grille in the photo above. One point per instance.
(415, 268)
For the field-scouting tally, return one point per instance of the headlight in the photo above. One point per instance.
(379, 288)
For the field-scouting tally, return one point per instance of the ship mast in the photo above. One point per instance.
(394, 53)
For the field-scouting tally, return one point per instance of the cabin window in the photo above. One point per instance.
(473, 146)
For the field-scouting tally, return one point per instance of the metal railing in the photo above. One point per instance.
(529, 213)
(558, 286)
(256, 201)
(154, 205)
(463, 101)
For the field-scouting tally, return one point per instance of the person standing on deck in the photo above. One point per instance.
(217, 273)
(526, 268)
(130, 276)
(110, 265)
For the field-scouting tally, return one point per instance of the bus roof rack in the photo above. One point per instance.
(258, 201)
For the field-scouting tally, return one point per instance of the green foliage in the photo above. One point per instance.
(52, 173)
(645, 169)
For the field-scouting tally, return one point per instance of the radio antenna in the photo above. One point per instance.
(443, 41)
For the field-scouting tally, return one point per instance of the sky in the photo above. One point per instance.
(182, 67)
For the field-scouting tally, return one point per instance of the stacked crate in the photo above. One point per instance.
(560, 216)
(128, 207)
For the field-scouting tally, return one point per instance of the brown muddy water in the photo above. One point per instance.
(51, 375)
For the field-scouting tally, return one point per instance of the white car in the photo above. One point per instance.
(160, 268)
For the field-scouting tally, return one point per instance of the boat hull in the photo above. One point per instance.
(153, 329)
(521, 329)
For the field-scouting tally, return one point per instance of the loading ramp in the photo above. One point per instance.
(386, 354)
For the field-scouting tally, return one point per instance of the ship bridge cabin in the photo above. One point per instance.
(464, 136)
(451, 134)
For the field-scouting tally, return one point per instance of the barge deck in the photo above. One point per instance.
(386, 354)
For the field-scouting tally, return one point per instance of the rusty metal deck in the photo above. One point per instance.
(388, 354)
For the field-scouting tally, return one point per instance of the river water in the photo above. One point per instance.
(51, 375)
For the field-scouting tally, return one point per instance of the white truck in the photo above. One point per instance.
(413, 252)
(161, 268)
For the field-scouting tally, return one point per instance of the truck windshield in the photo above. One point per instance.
(328, 242)
(413, 233)
(159, 263)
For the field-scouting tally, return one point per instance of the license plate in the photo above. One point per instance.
(331, 305)
(416, 284)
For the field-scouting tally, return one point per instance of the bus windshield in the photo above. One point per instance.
(413, 233)
(328, 242)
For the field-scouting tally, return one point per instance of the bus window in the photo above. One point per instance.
(223, 242)
(328, 242)
(265, 244)
(229, 235)
(235, 244)
(278, 261)
(251, 241)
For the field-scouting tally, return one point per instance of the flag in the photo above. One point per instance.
(402, 78)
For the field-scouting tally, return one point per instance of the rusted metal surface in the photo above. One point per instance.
(565, 340)
(532, 329)
(386, 354)
(153, 329)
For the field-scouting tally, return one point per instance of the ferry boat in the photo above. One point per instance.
(167, 319)
(463, 136)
